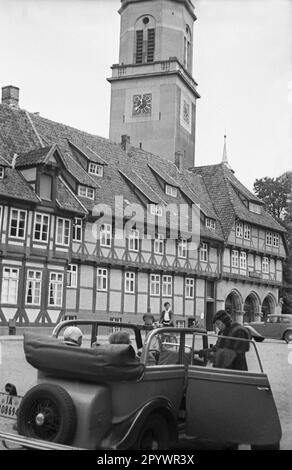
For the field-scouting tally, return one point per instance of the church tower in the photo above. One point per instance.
(153, 93)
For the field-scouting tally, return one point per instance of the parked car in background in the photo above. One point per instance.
(275, 326)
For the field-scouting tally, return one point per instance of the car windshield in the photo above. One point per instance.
(183, 346)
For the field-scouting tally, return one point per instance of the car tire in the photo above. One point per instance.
(154, 435)
(275, 446)
(47, 412)
(288, 336)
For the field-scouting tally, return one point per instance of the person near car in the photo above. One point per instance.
(166, 317)
(72, 336)
(119, 337)
(229, 351)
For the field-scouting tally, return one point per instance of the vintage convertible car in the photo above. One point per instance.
(106, 397)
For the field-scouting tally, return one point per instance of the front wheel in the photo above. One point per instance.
(288, 336)
(154, 435)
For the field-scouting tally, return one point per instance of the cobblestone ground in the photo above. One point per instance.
(274, 356)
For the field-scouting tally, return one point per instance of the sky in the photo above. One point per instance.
(59, 53)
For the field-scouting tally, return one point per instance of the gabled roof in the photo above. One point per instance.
(163, 175)
(88, 153)
(35, 157)
(67, 200)
(224, 192)
(146, 190)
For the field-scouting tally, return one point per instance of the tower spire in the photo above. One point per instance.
(224, 156)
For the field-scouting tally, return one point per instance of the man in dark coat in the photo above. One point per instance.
(229, 352)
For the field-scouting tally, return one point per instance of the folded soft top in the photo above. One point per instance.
(100, 364)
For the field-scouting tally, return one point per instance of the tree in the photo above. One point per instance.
(276, 193)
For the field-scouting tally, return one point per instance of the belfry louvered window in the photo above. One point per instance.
(139, 46)
(151, 45)
(145, 41)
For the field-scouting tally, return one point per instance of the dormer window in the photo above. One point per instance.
(256, 208)
(211, 223)
(170, 190)
(2, 172)
(85, 191)
(95, 169)
(45, 187)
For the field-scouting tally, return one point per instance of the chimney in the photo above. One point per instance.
(125, 142)
(179, 160)
(10, 96)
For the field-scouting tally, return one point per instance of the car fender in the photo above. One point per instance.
(123, 433)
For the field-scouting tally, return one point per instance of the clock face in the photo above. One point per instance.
(186, 112)
(142, 104)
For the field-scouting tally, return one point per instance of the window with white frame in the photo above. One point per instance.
(56, 289)
(95, 169)
(265, 264)
(180, 324)
(154, 284)
(242, 260)
(10, 286)
(234, 258)
(72, 273)
(256, 208)
(276, 240)
(134, 240)
(102, 279)
(33, 287)
(246, 233)
(182, 248)
(17, 223)
(269, 238)
(190, 288)
(130, 282)
(239, 229)
(156, 210)
(86, 191)
(41, 227)
(159, 244)
(204, 252)
(77, 230)
(170, 190)
(167, 286)
(210, 223)
(63, 232)
(2, 172)
(106, 235)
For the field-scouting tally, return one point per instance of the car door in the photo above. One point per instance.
(225, 405)
(272, 327)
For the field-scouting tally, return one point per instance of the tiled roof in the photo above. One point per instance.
(67, 200)
(14, 186)
(33, 157)
(138, 182)
(88, 153)
(4, 162)
(221, 183)
(214, 187)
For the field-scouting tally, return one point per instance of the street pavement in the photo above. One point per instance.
(273, 353)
